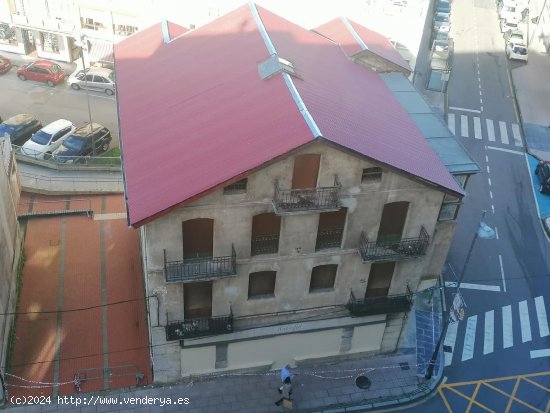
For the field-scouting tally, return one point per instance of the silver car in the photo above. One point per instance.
(94, 78)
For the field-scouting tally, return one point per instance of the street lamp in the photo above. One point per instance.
(80, 43)
(483, 231)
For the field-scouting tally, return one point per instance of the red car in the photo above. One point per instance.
(5, 64)
(42, 71)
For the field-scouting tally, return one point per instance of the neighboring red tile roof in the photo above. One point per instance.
(339, 31)
(195, 113)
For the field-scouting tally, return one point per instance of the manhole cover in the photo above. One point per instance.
(363, 382)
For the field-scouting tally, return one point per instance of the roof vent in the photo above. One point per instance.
(275, 65)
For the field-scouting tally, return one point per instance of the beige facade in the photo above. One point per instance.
(293, 324)
(10, 244)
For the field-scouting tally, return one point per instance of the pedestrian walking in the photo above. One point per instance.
(285, 374)
(286, 392)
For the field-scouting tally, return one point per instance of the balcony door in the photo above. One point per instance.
(197, 300)
(198, 235)
(265, 233)
(392, 222)
(306, 169)
(380, 277)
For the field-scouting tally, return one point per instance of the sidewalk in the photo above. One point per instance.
(394, 379)
(18, 60)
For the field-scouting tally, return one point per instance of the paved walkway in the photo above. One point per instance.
(84, 276)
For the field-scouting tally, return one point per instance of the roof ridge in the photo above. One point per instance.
(313, 127)
(354, 33)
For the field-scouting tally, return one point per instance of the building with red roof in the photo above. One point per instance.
(284, 193)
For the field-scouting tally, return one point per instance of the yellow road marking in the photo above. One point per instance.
(487, 383)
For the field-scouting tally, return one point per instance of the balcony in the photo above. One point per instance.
(393, 250)
(288, 201)
(200, 269)
(199, 327)
(329, 238)
(380, 305)
(265, 244)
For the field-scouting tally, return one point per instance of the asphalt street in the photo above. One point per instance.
(60, 102)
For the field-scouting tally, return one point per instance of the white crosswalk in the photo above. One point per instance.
(498, 335)
(470, 126)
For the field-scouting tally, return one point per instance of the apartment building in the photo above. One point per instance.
(290, 199)
(10, 245)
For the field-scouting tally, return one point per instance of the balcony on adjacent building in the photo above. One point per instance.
(264, 244)
(201, 268)
(392, 250)
(288, 201)
(199, 327)
(386, 304)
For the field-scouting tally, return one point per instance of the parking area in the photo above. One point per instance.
(82, 310)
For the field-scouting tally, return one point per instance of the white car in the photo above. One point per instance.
(49, 138)
(506, 25)
(516, 51)
(442, 26)
(94, 78)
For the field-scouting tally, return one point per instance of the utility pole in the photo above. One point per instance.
(482, 231)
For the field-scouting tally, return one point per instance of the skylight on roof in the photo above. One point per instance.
(275, 65)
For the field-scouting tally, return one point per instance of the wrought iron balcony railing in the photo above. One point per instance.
(264, 244)
(199, 327)
(309, 199)
(393, 250)
(380, 305)
(199, 269)
(329, 238)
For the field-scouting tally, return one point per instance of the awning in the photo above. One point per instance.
(100, 52)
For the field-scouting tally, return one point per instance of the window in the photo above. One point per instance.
(261, 284)
(449, 208)
(322, 278)
(371, 175)
(238, 187)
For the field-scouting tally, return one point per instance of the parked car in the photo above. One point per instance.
(508, 25)
(5, 64)
(95, 78)
(514, 36)
(516, 51)
(20, 128)
(81, 143)
(543, 172)
(442, 17)
(442, 26)
(48, 139)
(443, 6)
(42, 71)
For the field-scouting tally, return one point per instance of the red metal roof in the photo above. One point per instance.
(376, 43)
(195, 113)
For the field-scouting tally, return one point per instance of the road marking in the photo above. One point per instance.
(503, 132)
(540, 353)
(489, 180)
(477, 128)
(493, 209)
(496, 232)
(491, 194)
(469, 286)
(469, 338)
(488, 169)
(464, 126)
(524, 321)
(490, 130)
(506, 150)
(451, 122)
(488, 342)
(507, 334)
(450, 340)
(517, 134)
(501, 266)
(541, 316)
(464, 109)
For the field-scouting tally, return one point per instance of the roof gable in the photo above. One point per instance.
(356, 39)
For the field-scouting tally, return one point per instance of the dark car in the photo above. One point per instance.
(20, 128)
(81, 143)
(543, 172)
(42, 71)
(5, 64)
